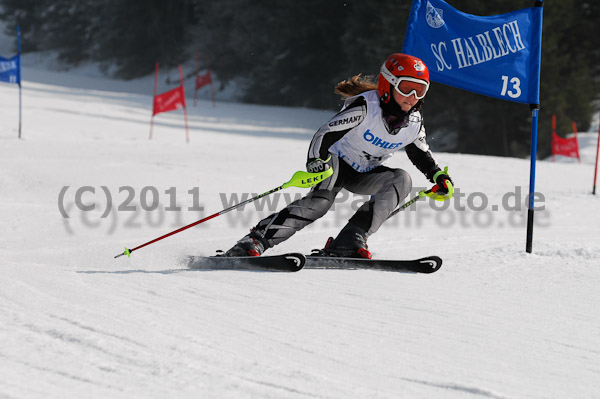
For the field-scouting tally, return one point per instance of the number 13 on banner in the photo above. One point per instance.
(515, 89)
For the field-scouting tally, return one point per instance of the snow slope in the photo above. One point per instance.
(494, 322)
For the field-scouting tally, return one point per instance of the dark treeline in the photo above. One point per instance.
(293, 53)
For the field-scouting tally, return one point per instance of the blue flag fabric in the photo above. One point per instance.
(10, 69)
(498, 56)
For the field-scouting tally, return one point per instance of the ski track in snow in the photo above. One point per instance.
(493, 322)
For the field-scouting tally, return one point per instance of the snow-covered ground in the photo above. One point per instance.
(494, 322)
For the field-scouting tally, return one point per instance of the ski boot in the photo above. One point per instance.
(249, 245)
(351, 242)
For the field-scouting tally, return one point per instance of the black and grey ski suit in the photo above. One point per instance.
(359, 139)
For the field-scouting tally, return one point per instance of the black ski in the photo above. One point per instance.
(291, 262)
(429, 264)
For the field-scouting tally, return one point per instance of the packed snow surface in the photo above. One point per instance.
(85, 181)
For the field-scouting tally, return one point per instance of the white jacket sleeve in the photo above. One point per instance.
(344, 121)
(420, 155)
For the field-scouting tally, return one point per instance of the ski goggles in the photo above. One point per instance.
(407, 86)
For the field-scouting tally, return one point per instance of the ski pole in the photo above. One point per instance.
(431, 193)
(299, 179)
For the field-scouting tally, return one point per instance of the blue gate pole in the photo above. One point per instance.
(531, 207)
(19, 72)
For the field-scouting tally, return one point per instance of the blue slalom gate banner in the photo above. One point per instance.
(10, 69)
(497, 56)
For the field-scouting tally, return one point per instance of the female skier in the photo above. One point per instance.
(375, 121)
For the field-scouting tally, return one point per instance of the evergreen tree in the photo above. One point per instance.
(135, 34)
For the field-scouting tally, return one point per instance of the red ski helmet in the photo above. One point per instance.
(397, 67)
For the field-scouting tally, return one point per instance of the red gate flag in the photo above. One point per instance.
(203, 80)
(169, 101)
(567, 147)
